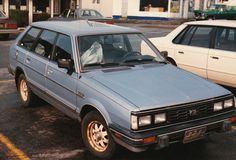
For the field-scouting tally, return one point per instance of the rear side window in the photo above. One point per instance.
(201, 37)
(30, 37)
(226, 39)
(63, 48)
(45, 43)
(180, 36)
(187, 37)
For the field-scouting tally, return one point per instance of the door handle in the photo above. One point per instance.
(27, 60)
(181, 52)
(213, 57)
(49, 72)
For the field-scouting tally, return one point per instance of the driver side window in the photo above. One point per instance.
(63, 48)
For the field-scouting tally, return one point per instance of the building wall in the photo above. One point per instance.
(134, 12)
(117, 9)
(104, 6)
(229, 2)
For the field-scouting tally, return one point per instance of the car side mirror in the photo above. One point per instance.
(164, 54)
(67, 64)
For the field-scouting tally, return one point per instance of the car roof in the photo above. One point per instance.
(221, 23)
(83, 27)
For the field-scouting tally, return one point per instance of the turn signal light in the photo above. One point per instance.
(149, 140)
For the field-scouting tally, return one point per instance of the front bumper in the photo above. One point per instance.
(168, 135)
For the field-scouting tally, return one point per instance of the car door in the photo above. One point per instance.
(36, 59)
(191, 50)
(222, 58)
(60, 83)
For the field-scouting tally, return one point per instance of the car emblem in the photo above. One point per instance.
(193, 112)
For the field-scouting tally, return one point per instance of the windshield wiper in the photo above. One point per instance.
(144, 60)
(105, 65)
(140, 60)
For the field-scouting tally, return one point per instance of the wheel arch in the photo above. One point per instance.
(171, 60)
(86, 108)
(18, 72)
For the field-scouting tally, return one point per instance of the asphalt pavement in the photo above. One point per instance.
(42, 132)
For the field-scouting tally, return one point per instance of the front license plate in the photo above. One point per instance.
(194, 134)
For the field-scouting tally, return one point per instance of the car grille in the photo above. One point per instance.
(190, 112)
(197, 14)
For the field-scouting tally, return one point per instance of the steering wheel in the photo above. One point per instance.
(130, 54)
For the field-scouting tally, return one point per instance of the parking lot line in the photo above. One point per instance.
(7, 81)
(13, 148)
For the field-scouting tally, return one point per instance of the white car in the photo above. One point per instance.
(206, 48)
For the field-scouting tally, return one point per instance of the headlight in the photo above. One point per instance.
(160, 118)
(134, 122)
(202, 14)
(218, 106)
(144, 120)
(228, 103)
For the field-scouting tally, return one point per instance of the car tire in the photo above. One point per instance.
(96, 136)
(27, 97)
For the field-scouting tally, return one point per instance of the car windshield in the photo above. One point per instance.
(116, 50)
(217, 7)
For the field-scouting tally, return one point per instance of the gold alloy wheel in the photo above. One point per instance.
(97, 136)
(24, 90)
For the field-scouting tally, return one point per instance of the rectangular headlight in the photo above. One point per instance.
(228, 103)
(218, 106)
(160, 118)
(144, 120)
(134, 122)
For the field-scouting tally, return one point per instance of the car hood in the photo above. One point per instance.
(154, 86)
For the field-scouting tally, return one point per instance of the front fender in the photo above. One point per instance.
(97, 105)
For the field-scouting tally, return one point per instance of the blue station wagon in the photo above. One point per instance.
(117, 84)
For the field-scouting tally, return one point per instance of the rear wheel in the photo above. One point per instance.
(27, 97)
(96, 136)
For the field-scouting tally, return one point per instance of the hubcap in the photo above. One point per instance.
(97, 136)
(23, 90)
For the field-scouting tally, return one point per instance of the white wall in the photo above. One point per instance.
(230, 2)
(133, 10)
(117, 7)
(104, 7)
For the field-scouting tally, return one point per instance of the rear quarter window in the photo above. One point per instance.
(29, 38)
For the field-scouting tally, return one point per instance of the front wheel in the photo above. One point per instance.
(96, 136)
